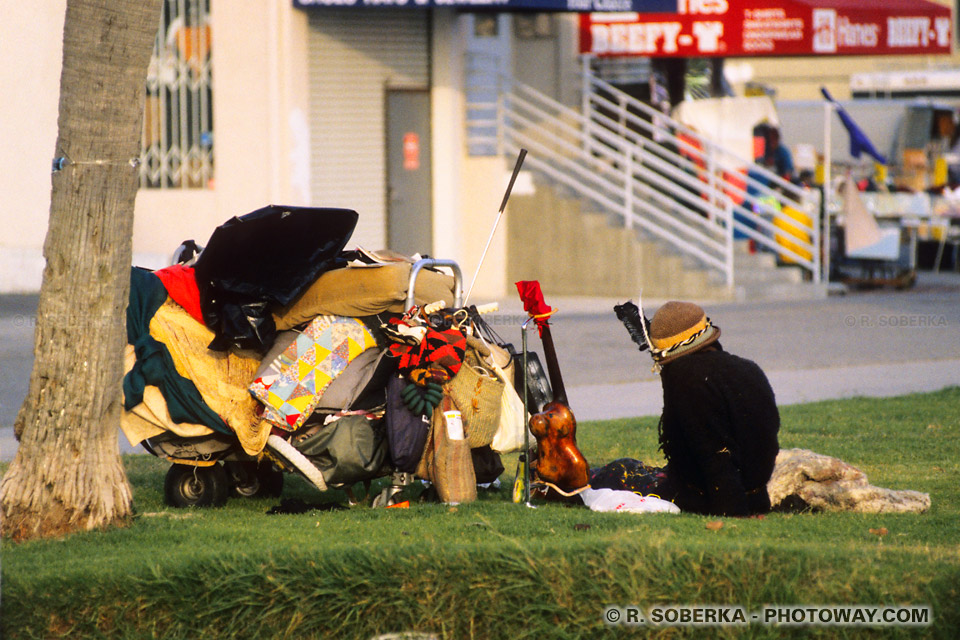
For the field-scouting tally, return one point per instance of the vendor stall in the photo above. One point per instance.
(883, 238)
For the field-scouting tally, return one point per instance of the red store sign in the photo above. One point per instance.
(732, 28)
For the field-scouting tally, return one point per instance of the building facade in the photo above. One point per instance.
(250, 104)
(319, 103)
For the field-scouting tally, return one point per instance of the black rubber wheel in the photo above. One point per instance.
(255, 480)
(189, 486)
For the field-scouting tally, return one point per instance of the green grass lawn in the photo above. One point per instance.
(493, 569)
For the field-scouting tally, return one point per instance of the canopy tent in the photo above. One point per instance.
(733, 28)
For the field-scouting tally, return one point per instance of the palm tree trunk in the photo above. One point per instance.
(67, 474)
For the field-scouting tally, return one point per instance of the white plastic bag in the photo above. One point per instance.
(509, 434)
(625, 502)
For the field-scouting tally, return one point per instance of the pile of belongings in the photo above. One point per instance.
(274, 331)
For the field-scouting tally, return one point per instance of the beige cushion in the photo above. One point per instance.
(364, 291)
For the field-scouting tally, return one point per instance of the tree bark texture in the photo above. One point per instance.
(67, 474)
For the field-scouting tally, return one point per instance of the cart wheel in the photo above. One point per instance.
(190, 486)
(255, 480)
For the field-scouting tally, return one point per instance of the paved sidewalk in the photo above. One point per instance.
(873, 344)
(609, 401)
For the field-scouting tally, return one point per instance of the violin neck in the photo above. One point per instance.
(553, 367)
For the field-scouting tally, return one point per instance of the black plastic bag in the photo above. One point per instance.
(487, 465)
(264, 260)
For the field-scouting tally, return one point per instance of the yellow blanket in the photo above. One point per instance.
(221, 378)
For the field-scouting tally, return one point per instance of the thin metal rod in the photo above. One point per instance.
(827, 189)
(526, 417)
(496, 223)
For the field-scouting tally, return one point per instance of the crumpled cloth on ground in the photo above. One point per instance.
(628, 474)
(625, 502)
(804, 479)
(221, 377)
(364, 291)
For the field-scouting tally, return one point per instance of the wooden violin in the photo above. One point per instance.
(559, 460)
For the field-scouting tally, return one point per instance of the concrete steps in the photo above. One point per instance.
(573, 251)
(757, 276)
(576, 251)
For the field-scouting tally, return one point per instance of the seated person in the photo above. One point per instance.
(718, 430)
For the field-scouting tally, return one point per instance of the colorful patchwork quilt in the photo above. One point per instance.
(294, 382)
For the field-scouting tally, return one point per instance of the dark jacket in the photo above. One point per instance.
(718, 433)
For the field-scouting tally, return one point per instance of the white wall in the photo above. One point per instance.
(260, 144)
(261, 141)
(447, 134)
(31, 48)
(259, 117)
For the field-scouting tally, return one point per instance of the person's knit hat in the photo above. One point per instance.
(680, 328)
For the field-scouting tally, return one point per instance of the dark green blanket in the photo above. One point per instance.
(154, 365)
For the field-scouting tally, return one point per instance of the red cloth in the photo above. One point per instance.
(533, 302)
(181, 285)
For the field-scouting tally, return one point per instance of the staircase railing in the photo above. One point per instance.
(652, 173)
(776, 214)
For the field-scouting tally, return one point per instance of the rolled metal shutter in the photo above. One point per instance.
(355, 55)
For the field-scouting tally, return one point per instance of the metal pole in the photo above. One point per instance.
(585, 85)
(586, 106)
(815, 233)
(827, 179)
(628, 189)
(712, 178)
(728, 216)
(496, 222)
(526, 417)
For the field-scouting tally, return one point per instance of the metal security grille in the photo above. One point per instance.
(177, 143)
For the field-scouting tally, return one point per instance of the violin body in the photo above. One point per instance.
(559, 460)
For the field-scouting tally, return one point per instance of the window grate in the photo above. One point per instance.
(177, 142)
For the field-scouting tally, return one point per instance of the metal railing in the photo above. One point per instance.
(648, 170)
(767, 208)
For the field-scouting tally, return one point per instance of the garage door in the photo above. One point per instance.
(356, 55)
